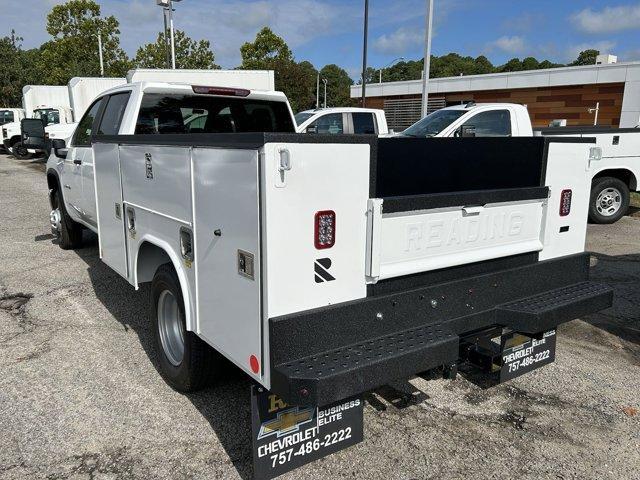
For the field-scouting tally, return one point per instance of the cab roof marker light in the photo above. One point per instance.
(223, 91)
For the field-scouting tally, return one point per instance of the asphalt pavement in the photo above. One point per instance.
(80, 396)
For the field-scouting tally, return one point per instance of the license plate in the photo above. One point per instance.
(528, 356)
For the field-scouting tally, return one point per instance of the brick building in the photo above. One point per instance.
(555, 94)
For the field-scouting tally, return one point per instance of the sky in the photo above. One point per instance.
(331, 31)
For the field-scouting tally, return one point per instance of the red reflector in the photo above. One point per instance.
(255, 365)
(228, 92)
(565, 203)
(325, 229)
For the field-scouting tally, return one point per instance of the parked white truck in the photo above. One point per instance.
(612, 178)
(345, 120)
(326, 265)
(47, 103)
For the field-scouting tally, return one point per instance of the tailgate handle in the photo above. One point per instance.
(472, 211)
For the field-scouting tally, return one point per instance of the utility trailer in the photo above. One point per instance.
(326, 267)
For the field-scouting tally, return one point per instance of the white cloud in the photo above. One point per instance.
(609, 19)
(512, 45)
(401, 41)
(604, 46)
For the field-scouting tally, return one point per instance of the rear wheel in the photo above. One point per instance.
(69, 233)
(20, 151)
(185, 362)
(609, 201)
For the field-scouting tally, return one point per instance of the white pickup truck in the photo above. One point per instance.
(345, 120)
(613, 177)
(326, 265)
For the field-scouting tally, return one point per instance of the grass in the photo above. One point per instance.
(635, 199)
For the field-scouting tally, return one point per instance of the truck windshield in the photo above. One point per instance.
(175, 114)
(6, 116)
(303, 117)
(433, 124)
(47, 115)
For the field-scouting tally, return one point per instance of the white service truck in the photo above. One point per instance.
(324, 266)
(344, 120)
(613, 177)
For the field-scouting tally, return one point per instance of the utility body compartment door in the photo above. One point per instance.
(226, 212)
(111, 217)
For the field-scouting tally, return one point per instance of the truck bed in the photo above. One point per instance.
(435, 239)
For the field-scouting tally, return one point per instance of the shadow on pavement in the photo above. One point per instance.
(226, 406)
(622, 273)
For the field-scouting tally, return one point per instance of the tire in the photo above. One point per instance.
(609, 200)
(192, 368)
(69, 232)
(20, 151)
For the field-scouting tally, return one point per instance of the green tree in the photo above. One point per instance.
(266, 49)
(73, 51)
(586, 57)
(513, 65)
(270, 52)
(189, 53)
(338, 86)
(18, 69)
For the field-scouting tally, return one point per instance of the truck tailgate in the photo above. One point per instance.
(403, 243)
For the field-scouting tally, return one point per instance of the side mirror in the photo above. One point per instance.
(312, 129)
(59, 147)
(466, 131)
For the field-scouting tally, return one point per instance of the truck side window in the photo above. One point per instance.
(495, 123)
(113, 113)
(82, 135)
(6, 116)
(364, 123)
(331, 124)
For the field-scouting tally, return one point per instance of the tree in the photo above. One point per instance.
(513, 65)
(18, 69)
(265, 49)
(586, 57)
(338, 86)
(73, 51)
(270, 52)
(189, 53)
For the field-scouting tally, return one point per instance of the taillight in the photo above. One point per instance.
(325, 229)
(228, 92)
(565, 203)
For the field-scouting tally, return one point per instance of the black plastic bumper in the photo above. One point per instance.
(327, 354)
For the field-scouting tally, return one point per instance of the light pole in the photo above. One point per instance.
(400, 59)
(364, 53)
(596, 111)
(318, 91)
(324, 80)
(168, 5)
(427, 59)
(100, 54)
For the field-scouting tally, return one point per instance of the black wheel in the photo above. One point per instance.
(609, 200)
(69, 233)
(20, 151)
(185, 362)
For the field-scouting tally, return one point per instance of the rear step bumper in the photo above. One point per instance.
(328, 354)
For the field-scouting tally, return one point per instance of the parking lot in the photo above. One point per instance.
(80, 396)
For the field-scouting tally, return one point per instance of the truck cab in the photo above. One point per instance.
(474, 120)
(336, 121)
(12, 135)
